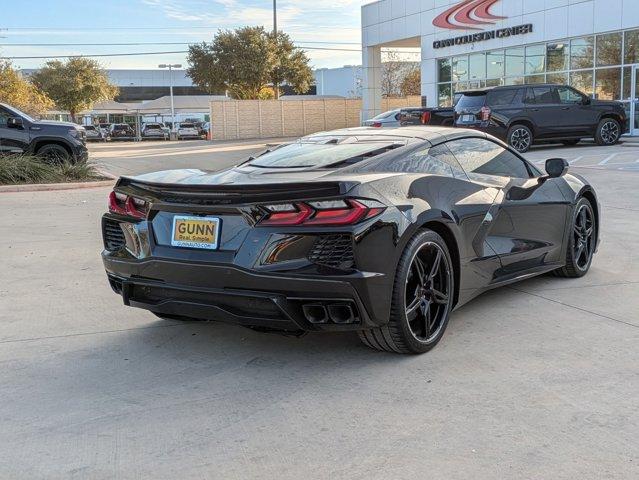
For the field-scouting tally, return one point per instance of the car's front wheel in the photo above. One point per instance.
(608, 132)
(422, 298)
(582, 241)
(53, 154)
(520, 137)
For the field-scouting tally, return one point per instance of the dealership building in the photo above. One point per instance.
(592, 45)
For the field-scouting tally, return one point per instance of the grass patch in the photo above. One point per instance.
(21, 169)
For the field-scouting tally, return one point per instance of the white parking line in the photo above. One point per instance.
(576, 159)
(607, 159)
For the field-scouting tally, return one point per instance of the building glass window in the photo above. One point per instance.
(608, 83)
(582, 81)
(559, 78)
(460, 68)
(477, 64)
(444, 95)
(515, 61)
(582, 53)
(535, 79)
(557, 57)
(576, 62)
(444, 70)
(609, 49)
(514, 81)
(631, 47)
(627, 83)
(535, 59)
(495, 64)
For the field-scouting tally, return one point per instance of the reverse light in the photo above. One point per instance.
(322, 213)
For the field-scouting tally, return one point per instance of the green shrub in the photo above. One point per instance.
(17, 169)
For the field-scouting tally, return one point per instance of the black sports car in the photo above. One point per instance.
(383, 232)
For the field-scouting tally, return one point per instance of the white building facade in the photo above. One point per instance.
(592, 45)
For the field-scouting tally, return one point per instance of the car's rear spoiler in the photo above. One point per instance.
(235, 193)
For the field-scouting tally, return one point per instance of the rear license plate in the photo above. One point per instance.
(195, 232)
(468, 118)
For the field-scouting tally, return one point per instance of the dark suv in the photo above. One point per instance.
(19, 133)
(526, 114)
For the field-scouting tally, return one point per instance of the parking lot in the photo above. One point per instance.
(538, 380)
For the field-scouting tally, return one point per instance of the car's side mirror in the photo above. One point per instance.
(556, 167)
(586, 101)
(14, 122)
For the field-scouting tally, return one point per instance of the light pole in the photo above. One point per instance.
(276, 87)
(171, 67)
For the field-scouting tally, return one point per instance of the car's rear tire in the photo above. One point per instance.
(53, 154)
(520, 137)
(608, 132)
(582, 241)
(571, 143)
(422, 298)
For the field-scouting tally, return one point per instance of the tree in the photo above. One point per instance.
(21, 93)
(76, 84)
(412, 83)
(391, 74)
(247, 61)
(394, 71)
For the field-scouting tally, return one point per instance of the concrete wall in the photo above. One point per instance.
(246, 119)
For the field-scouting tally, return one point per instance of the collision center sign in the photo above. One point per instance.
(482, 36)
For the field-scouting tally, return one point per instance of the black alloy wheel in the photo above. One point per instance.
(520, 138)
(422, 298)
(54, 154)
(583, 241)
(608, 132)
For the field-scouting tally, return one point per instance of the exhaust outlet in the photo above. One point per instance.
(341, 313)
(315, 313)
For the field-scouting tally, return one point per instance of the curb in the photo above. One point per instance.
(47, 187)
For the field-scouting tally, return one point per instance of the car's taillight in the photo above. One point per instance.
(127, 205)
(426, 118)
(376, 125)
(485, 113)
(322, 213)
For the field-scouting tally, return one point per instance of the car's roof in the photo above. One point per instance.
(430, 133)
(509, 87)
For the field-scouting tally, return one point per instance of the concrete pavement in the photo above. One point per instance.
(535, 381)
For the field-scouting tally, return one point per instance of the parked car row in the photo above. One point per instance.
(522, 115)
(149, 131)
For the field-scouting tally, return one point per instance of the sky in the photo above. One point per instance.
(102, 22)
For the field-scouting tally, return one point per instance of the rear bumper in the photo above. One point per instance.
(233, 295)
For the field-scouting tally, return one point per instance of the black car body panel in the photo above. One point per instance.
(551, 117)
(20, 134)
(498, 229)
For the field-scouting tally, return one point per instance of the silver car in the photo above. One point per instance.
(384, 120)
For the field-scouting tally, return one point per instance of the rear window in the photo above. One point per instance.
(471, 100)
(318, 155)
(385, 115)
(497, 98)
(187, 125)
(89, 127)
(153, 125)
(120, 127)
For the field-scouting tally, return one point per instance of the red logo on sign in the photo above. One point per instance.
(468, 15)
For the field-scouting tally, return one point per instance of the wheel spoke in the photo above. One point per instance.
(421, 272)
(413, 306)
(427, 317)
(439, 297)
(436, 263)
(579, 252)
